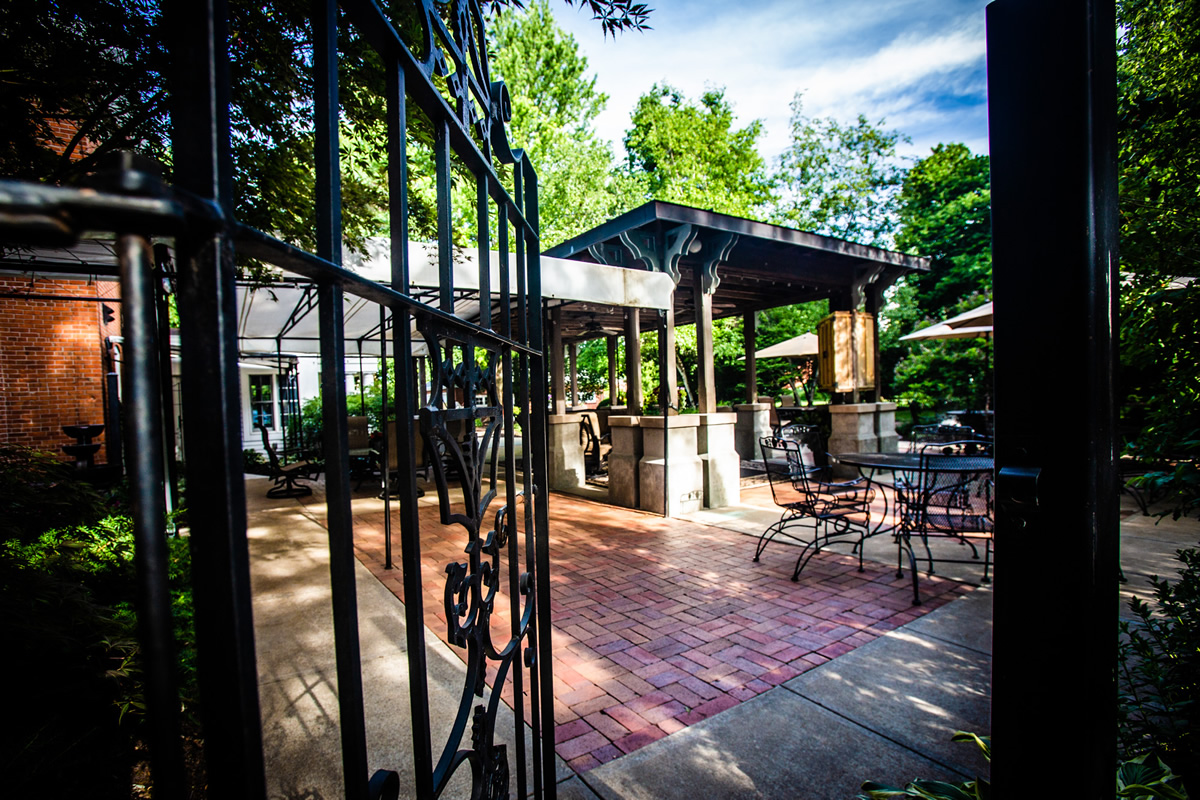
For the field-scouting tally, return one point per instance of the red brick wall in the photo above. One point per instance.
(64, 131)
(52, 362)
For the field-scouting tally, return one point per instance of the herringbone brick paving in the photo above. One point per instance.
(660, 623)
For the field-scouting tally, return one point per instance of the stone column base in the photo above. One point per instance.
(885, 427)
(565, 459)
(853, 432)
(684, 485)
(623, 460)
(722, 464)
(753, 423)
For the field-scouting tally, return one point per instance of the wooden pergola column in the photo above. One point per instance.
(749, 338)
(611, 342)
(558, 389)
(668, 378)
(572, 352)
(716, 250)
(706, 386)
(633, 361)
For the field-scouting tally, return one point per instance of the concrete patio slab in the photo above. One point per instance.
(966, 622)
(913, 690)
(778, 745)
(1148, 545)
(881, 708)
(297, 668)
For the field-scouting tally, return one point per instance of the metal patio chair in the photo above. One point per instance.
(286, 475)
(593, 461)
(832, 510)
(420, 463)
(949, 495)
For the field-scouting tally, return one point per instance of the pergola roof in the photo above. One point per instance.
(767, 266)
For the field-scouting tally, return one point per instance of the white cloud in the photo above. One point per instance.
(917, 64)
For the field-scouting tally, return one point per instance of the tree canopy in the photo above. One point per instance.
(690, 153)
(945, 214)
(838, 179)
(554, 106)
(1158, 94)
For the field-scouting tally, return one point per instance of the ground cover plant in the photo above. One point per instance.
(1158, 673)
(67, 582)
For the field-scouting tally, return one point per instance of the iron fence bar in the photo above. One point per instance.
(352, 718)
(505, 279)
(144, 432)
(162, 260)
(532, 500)
(385, 444)
(441, 169)
(212, 422)
(512, 497)
(545, 650)
(485, 252)
(340, 525)
(410, 533)
(377, 30)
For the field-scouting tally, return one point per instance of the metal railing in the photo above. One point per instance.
(499, 357)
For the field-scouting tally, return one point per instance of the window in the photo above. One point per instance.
(262, 401)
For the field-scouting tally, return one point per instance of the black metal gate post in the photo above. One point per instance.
(211, 401)
(144, 433)
(1052, 111)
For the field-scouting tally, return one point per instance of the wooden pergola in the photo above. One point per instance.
(722, 266)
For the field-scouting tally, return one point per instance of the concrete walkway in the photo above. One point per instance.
(882, 711)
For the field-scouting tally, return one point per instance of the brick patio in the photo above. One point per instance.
(659, 623)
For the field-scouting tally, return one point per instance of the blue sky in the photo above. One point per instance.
(919, 64)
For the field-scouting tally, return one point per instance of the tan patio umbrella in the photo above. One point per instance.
(973, 324)
(979, 316)
(943, 330)
(797, 349)
(976, 323)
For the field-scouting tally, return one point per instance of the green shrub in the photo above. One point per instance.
(1158, 672)
(38, 491)
(1136, 779)
(978, 789)
(254, 462)
(68, 621)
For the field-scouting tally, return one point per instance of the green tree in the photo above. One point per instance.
(119, 100)
(554, 107)
(1158, 83)
(945, 214)
(691, 153)
(839, 180)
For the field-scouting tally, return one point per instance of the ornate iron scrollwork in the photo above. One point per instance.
(450, 425)
(459, 54)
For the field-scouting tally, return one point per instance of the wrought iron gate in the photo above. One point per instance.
(499, 359)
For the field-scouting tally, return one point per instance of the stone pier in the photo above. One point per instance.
(686, 472)
(753, 423)
(624, 460)
(566, 452)
(722, 464)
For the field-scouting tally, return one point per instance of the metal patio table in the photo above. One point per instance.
(870, 464)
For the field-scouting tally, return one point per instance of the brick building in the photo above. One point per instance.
(54, 355)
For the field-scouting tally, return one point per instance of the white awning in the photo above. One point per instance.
(284, 316)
